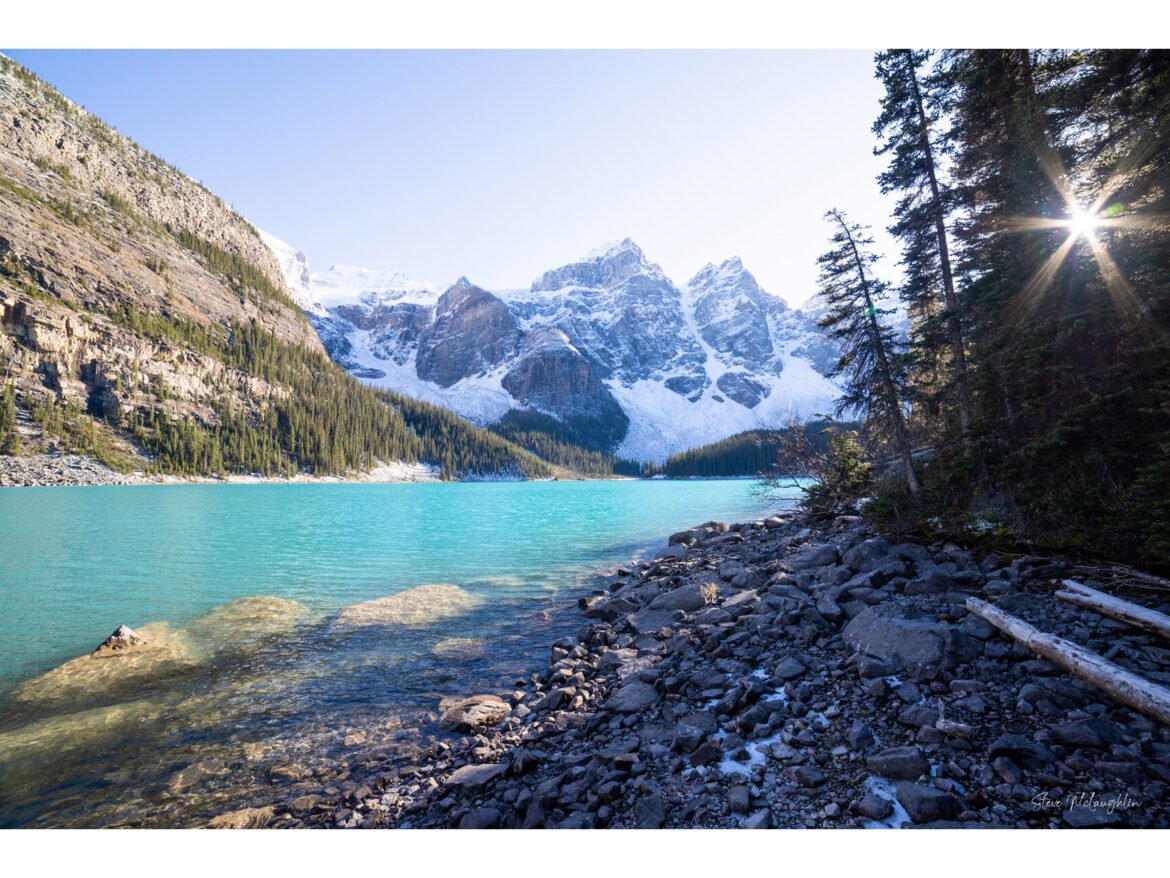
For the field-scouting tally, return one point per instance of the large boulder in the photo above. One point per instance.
(920, 646)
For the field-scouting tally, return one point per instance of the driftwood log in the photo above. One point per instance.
(1108, 605)
(1126, 686)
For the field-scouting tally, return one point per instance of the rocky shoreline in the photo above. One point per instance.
(787, 673)
(75, 470)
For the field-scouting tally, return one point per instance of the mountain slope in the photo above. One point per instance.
(608, 345)
(145, 322)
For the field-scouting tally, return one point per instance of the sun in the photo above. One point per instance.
(1083, 223)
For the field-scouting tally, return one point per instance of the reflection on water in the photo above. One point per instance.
(303, 636)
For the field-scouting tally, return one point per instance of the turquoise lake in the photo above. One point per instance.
(263, 677)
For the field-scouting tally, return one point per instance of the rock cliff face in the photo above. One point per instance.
(551, 375)
(98, 239)
(608, 343)
(471, 334)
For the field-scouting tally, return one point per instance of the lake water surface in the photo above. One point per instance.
(263, 679)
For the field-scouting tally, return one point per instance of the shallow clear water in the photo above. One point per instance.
(262, 678)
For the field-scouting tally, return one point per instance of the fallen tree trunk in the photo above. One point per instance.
(1108, 605)
(1126, 686)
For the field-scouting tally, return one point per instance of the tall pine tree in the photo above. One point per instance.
(875, 371)
(904, 129)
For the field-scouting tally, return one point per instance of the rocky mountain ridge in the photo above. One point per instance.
(607, 344)
(146, 324)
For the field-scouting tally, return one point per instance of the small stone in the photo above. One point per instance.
(875, 807)
(861, 736)
(473, 776)
(918, 715)
(739, 799)
(759, 820)
(1080, 817)
(808, 775)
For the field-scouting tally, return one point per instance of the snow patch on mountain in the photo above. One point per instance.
(687, 365)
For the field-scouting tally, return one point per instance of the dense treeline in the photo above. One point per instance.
(556, 442)
(327, 423)
(1034, 187)
(320, 421)
(751, 453)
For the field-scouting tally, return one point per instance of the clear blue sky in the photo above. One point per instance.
(500, 165)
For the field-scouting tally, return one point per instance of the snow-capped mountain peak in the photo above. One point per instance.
(607, 344)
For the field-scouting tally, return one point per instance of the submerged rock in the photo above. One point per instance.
(245, 818)
(123, 638)
(416, 606)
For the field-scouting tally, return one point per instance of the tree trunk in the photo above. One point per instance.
(892, 401)
(954, 324)
(1108, 605)
(1126, 686)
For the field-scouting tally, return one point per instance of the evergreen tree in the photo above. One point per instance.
(9, 434)
(904, 128)
(876, 376)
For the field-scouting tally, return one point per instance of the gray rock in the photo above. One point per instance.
(475, 776)
(675, 552)
(759, 820)
(1018, 747)
(728, 570)
(922, 647)
(1080, 817)
(819, 557)
(632, 698)
(789, 668)
(648, 620)
(649, 812)
(867, 555)
(687, 598)
(808, 775)
(739, 799)
(860, 736)
(1088, 733)
(899, 763)
(474, 713)
(926, 804)
(481, 818)
(875, 807)
(918, 715)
